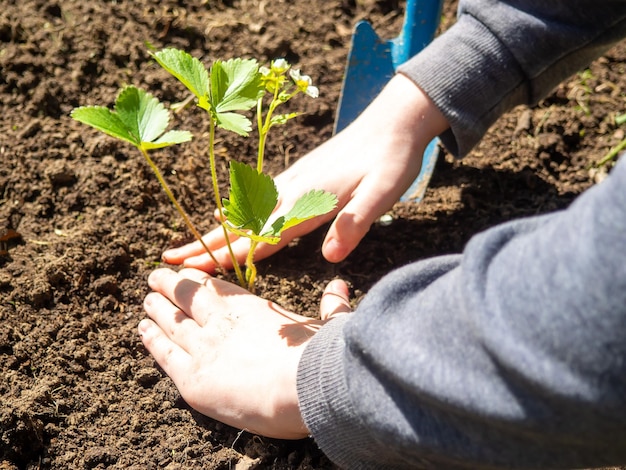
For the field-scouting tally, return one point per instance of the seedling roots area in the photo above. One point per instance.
(83, 220)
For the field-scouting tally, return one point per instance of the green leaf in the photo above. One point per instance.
(235, 86)
(104, 120)
(139, 118)
(188, 70)
(144, 116)
(311, 204)
(234, 122)
(252, 198)
(272, 240)
(169, 138)
(280, 119)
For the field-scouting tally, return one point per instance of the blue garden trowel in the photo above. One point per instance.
(373, 61)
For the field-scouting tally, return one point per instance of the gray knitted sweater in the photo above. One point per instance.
(513, 353)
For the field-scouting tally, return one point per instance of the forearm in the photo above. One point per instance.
(511, 356)
(501, 54)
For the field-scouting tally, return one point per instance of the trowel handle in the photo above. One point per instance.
(421, 19)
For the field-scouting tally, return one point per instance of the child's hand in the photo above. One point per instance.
(368, 166)
(232, 355)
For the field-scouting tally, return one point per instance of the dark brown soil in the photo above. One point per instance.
(83, 221)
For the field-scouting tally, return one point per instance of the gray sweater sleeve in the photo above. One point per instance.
(511, 355)
(500, 54)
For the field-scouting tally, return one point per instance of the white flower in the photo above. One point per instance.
(304, 83)
(280, 66)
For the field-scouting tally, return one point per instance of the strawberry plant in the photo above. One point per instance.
(140, 119)
(226, 91)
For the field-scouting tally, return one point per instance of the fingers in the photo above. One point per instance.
(196, 275)
(174, 360)
(347, 231)
(214, 240)
(241, 246)
(335, 300)
(211, 286)
(171, 320)
(185, 293)
(373, 198)
(204, 262)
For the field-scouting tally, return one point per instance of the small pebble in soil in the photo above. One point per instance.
(60, 174)
(147, 377)
(106, 285)
(385, 220)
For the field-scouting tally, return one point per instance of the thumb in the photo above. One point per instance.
(335, 300)
(353, 222)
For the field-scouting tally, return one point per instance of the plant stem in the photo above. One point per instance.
(178, 207)
(250, 267)
(264, 128)
(218, 202)
(262, 135)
